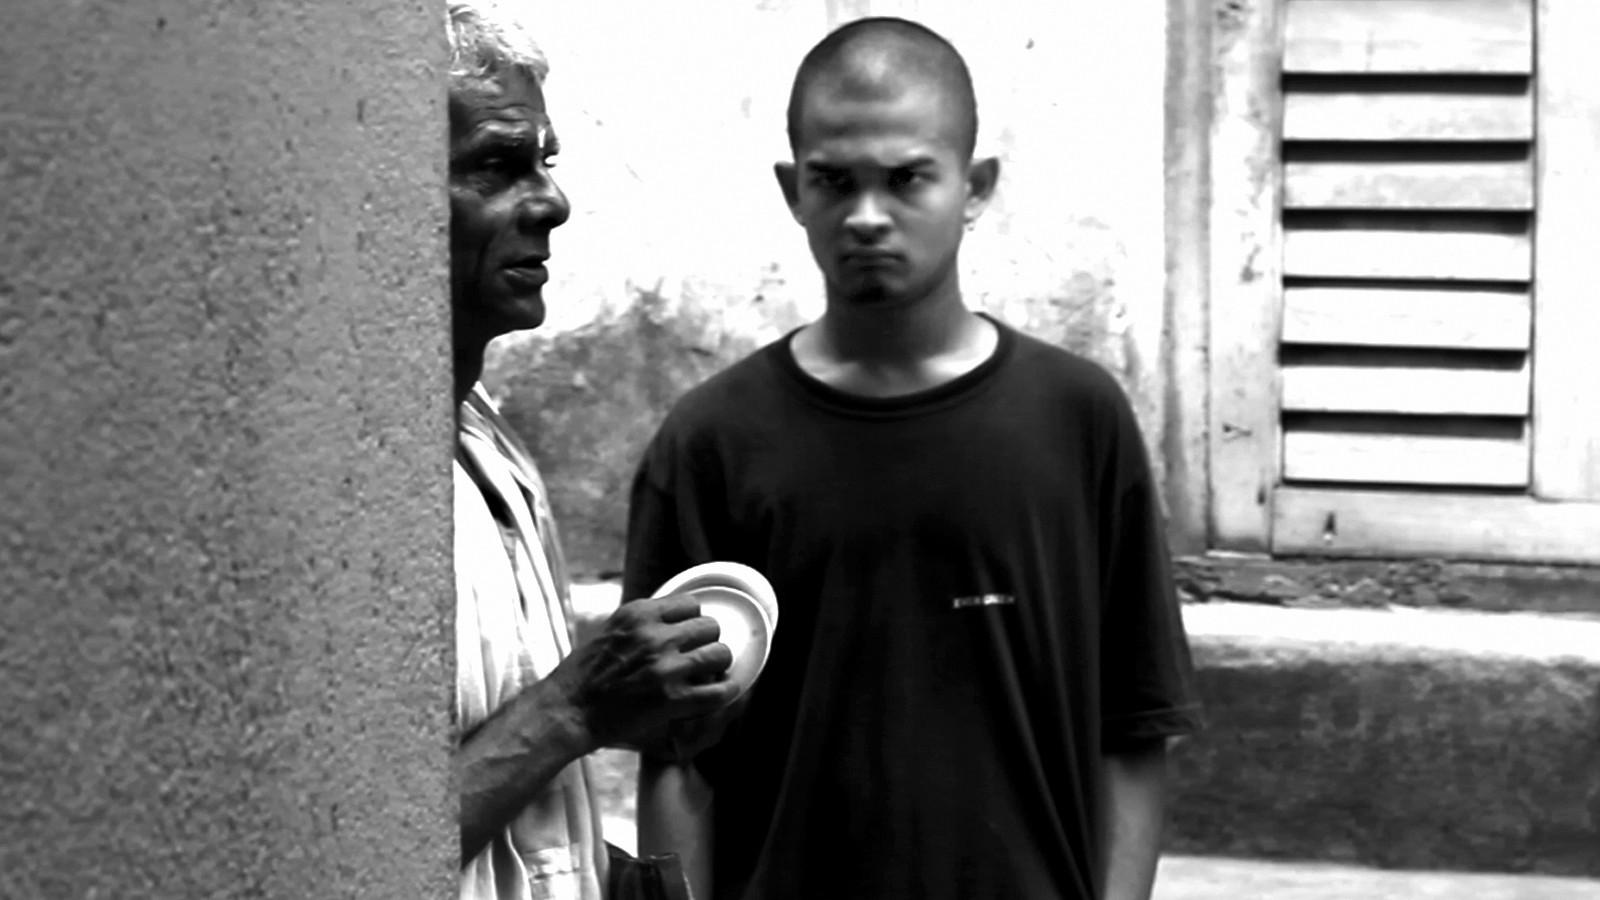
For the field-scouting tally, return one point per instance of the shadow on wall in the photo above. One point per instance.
(1084, 314)
(587, 401)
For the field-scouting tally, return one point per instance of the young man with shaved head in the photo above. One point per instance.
(982, 659)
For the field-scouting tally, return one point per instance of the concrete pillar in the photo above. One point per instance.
(224, 451)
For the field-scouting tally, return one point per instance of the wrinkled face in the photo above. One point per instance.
(882, 188)
(503, 205)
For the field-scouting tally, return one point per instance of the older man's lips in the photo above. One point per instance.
(529, 271)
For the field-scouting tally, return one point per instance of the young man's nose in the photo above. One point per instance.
(868, 216)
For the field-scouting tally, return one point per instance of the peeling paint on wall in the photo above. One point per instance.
(679, 238)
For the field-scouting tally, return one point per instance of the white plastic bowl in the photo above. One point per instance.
(742, 602)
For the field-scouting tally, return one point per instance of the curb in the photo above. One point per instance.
(1397, 738)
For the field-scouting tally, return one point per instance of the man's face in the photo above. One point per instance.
(883, 189)
(503, 205)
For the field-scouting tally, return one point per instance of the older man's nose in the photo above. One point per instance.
(543, 205)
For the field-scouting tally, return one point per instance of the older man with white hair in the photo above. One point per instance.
(530, 703)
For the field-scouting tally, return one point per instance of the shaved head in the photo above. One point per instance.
(882, 58)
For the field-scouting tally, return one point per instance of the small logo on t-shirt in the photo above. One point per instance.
(982, 600)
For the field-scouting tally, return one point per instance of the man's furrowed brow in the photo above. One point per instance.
(513, 138)
(831, 166)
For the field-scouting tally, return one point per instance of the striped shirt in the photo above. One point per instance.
(513, 626)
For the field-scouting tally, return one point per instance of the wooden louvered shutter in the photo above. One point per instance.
(1422, 259)
(1407, 155)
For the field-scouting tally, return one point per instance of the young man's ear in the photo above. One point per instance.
(788, 182)
(982, 177)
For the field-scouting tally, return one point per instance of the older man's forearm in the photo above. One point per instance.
(511, 757)
(1134, 813)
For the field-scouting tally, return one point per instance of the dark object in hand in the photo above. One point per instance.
(648, 878)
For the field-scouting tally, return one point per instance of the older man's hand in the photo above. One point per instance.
(653, 662)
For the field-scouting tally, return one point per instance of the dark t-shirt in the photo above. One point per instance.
(975, 603)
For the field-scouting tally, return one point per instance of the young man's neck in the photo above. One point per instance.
(903, 334)
(893, 350)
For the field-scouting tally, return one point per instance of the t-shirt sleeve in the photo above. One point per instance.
(674, 513)
(667, 532)
(655, 548)
(1146, 673)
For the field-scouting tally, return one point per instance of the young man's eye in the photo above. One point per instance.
(830, 181)
(904, 178)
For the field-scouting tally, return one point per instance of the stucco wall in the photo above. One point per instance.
(680, 256)
(223, 451)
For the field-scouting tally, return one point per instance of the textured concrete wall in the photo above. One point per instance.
(223, 451)
(680, 256)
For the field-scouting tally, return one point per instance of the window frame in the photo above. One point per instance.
(1249, 508)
